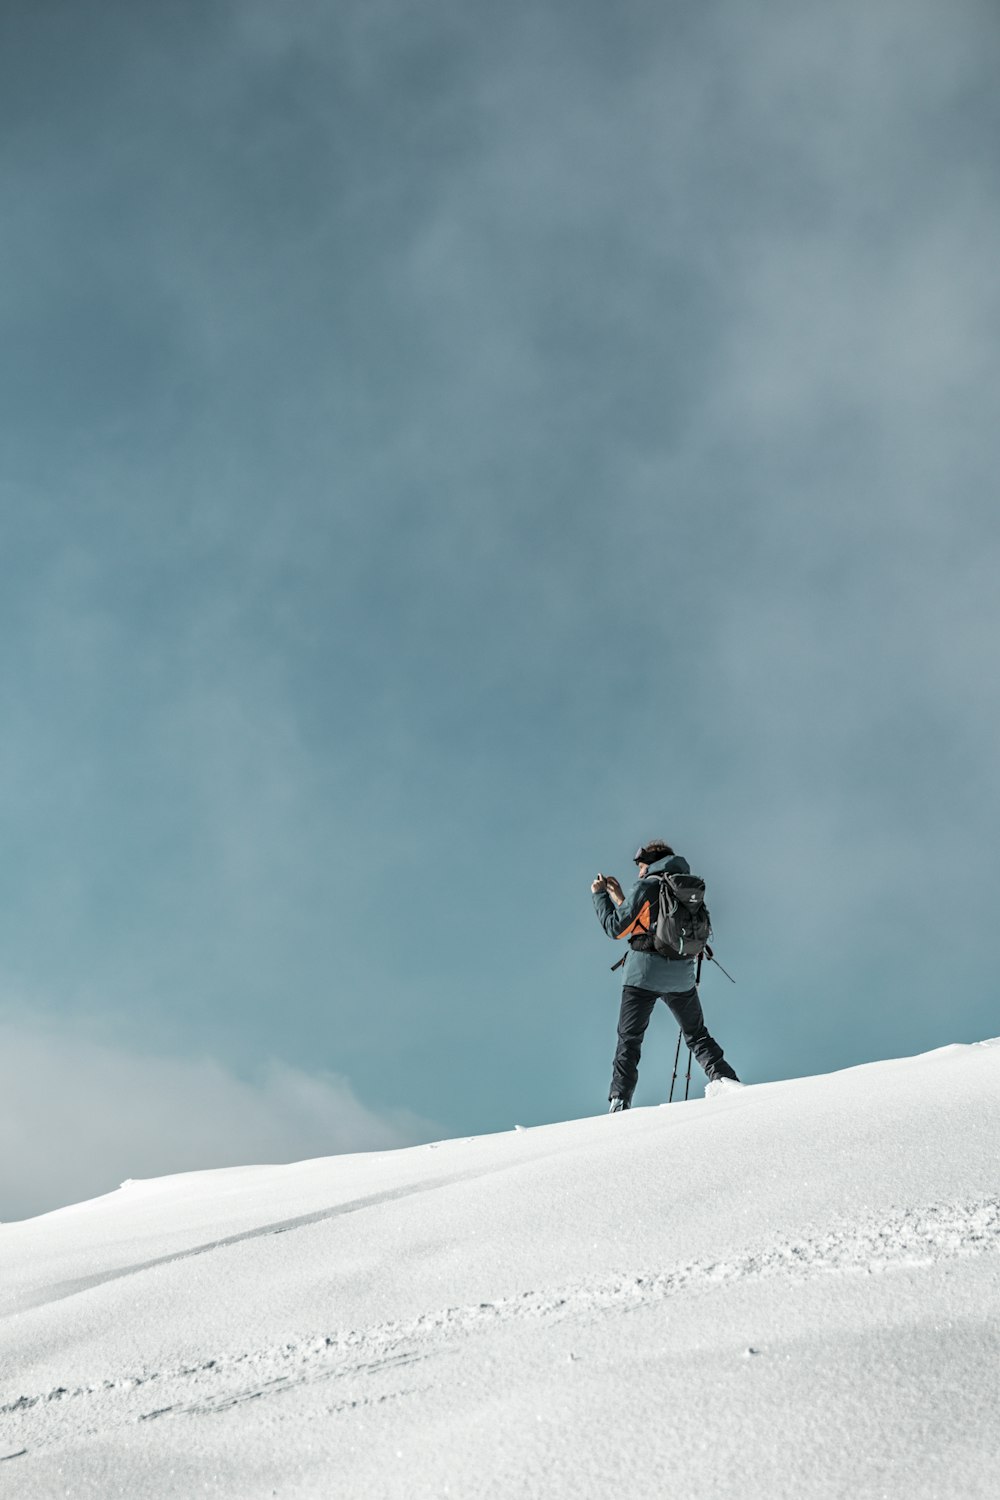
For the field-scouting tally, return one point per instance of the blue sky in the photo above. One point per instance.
(443, 446)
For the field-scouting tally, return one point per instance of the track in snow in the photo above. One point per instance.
(910, 1238)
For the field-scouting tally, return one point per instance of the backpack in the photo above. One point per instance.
(683, 923)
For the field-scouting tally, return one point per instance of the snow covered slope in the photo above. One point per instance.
(788, 1290)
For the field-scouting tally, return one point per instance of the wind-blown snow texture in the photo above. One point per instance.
(788, 1290)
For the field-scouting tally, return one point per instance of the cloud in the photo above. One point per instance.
(429, 398)
(79, 1114)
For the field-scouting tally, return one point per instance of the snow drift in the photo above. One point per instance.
(788, 1290)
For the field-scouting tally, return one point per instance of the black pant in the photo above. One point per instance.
(637, 1007)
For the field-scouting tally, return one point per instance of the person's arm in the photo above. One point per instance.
(614, 921)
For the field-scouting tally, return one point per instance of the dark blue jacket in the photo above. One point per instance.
(647, 970)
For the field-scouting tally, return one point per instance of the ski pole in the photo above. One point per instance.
(673, 1080)
(687, 1081)
(713, 960)
(729, 976)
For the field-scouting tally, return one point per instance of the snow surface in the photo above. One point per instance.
(784, 1290)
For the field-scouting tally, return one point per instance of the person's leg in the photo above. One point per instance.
(687, 1013)
(636, 1009)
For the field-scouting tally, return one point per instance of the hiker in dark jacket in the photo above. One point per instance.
(649, 976)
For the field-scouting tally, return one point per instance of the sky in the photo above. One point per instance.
(442, 447)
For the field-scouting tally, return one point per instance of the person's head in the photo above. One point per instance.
(649, 854)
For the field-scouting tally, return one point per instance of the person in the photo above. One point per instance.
(650, 976)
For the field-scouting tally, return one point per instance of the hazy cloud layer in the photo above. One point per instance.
(78, 1116)
(445, 445)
